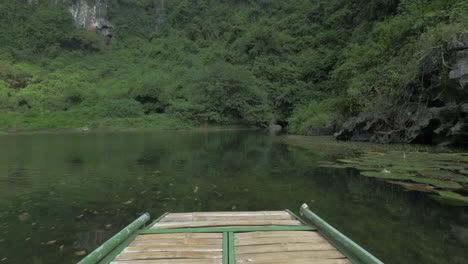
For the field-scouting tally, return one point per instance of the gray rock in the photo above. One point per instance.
(274, 128)
(458, 42)
(445, 123)
(327, 130)
(458, 57)
(459, 74)
(446, 126)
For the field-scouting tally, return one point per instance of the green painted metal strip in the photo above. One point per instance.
(297, 217)
(115, 241)
(226, 229)
(117, 250)
(351, 257)
(232, 255)
(349, 248)
(157, 220)
(225, 248)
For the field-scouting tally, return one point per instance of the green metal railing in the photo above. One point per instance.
(353, 251)
(115, 241)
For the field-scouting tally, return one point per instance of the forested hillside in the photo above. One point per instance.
(179, 63)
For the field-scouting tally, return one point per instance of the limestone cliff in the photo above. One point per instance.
(443, 120)
(89, 14)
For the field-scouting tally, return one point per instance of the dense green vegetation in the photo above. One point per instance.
(224, 61)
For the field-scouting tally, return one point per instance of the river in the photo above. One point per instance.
(62, 195)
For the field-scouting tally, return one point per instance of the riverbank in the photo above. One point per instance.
(19, 124)
(78, 121)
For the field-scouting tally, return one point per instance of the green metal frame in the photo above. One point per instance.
(297, 217)
(349, 248)
(158, 219)
(108, 259)
(225, 247)
(231, 251)
(115, 241)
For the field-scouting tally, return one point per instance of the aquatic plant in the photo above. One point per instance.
(443, 174)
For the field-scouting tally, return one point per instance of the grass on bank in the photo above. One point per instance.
(75, 119)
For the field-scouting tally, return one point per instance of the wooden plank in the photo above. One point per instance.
(283, 248)
(230, 213)
(189, 218)
(165, 225)
(260, 234)
(177, 241)
(226, 229)
(321, 254)
(169, 261)
(170, 255)
(174, 248)
(181, 235)
(301, 261)
(279, 240)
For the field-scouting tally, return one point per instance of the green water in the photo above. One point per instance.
(61, 194)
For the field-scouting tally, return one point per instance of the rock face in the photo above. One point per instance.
(89, 14)
(274, 128)
(458, 47)
(327, 130)
(444, 126)
(440, 122)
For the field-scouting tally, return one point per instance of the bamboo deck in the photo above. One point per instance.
(267, 237)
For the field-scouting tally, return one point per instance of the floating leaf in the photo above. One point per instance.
(438, 183)
(348, 161)
(24, 216)
(414, 186)
(382, 175)
(451, 198)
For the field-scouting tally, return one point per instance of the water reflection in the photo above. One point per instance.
(80, 189)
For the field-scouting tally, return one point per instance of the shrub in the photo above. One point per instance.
(121, 108)
(313, 114)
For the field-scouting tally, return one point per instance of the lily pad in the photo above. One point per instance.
(418, 171)
(415, 186)
(348, 161)
(383, 175)
(438, 183)
(451, 198)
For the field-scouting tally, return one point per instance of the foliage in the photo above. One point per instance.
(224, 61)
(313, 114)
(225, 93)
(121, 108)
